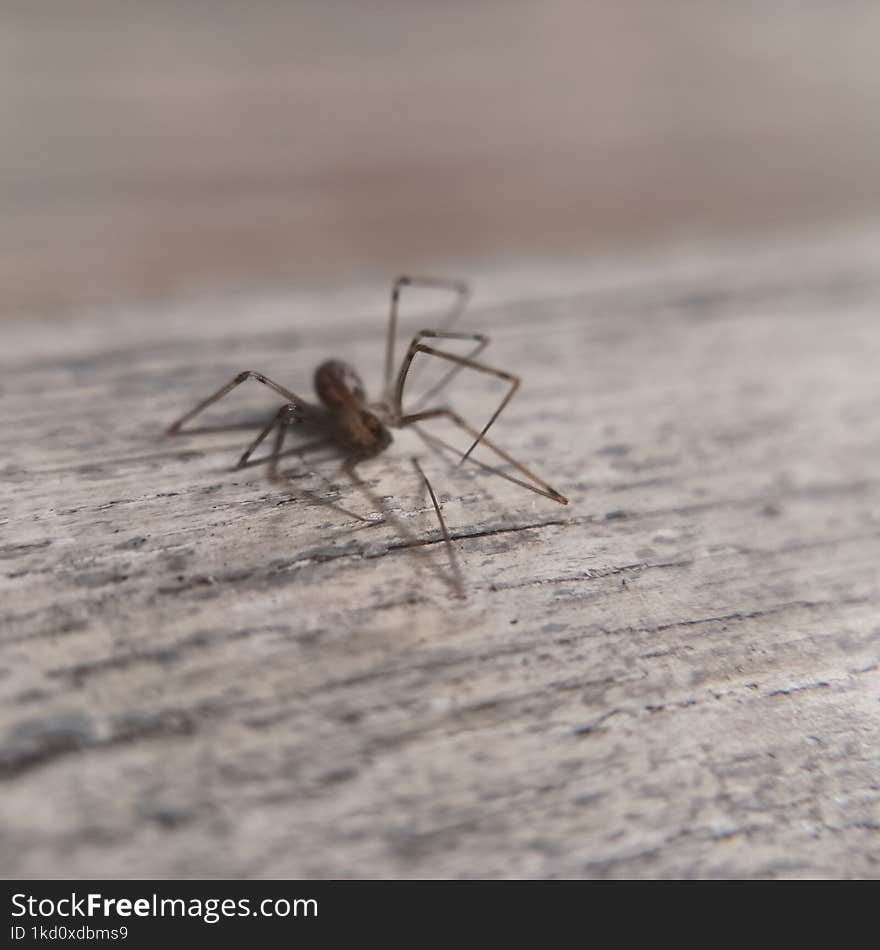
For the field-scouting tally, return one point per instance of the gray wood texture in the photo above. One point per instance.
(203, 673)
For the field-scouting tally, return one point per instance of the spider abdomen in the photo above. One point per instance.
(338, 385)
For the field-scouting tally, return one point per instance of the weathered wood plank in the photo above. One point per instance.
(678, 675)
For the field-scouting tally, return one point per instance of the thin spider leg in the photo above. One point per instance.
(482, 342)
(414, 543)
(292, 398)
(444, 381)
(297, 450)
(443, 451)
(280, 423)
(458, 287)
(453, 559)
(436, 444)
(280, 435)
(274, 476)
(210, 430)
(544, 489)
(471, 364)
(281, 420)
(309, 495)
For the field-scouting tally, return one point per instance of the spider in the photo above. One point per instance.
(361, 428)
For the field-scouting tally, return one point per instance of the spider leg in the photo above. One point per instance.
(482, 342)
(285, 416)
(416, 347)
(453, 559)
(534, 483)
(296, 450)
(290, 397)
(458, 287)
(413, 542)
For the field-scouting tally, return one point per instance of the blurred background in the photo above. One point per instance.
(167, 147)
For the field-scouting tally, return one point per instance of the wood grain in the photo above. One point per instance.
(204, 674)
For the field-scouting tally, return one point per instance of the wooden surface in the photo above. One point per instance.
(154, 148)
(678, 675)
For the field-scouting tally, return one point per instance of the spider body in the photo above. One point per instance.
(362, 430)
(358, 427)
